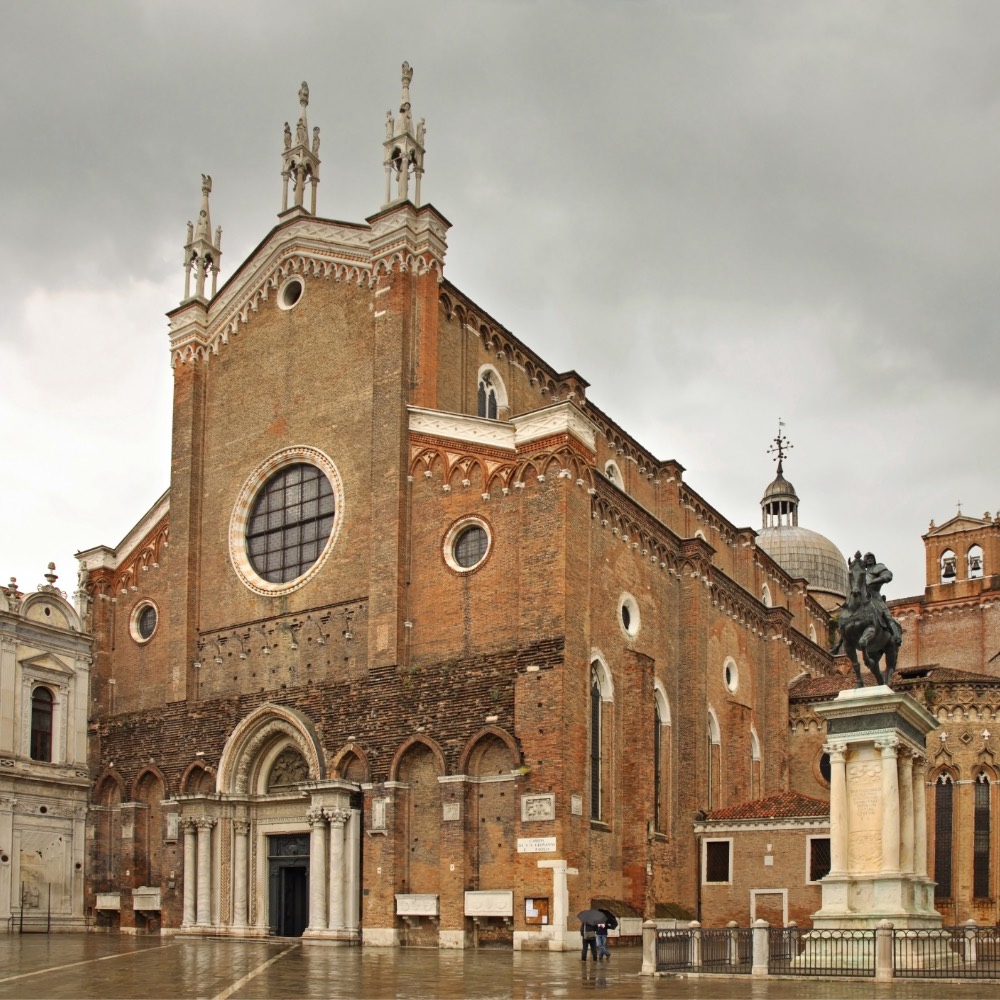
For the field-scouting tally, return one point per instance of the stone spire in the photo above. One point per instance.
(404, 148)
(201, 254)
(300, 161)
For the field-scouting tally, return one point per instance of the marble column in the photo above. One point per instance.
(317, 870)
(920, 816)
(890, 806)
(203, 904)
(190, 874)
(241, 829)
(838, 807)
(906, 812)
(338, 818)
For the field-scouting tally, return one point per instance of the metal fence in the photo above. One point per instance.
(965, 952)
(727, 950)
(797, 952)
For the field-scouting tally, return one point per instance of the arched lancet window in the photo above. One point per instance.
(714, 759)
(974, 562)
(948, 566)
(755, 765)
(981, 838)
(661, 758)
(765, 596)
(944, 802)
(41, 724)
(491, 396)
(595, 745)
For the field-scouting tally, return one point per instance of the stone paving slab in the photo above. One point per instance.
(76, 966)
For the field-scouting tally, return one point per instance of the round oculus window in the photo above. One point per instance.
(143, 622)
(290, 292)
(731, 674)
(290, 522)
(285, 520)
(628, 615)
(467, 544)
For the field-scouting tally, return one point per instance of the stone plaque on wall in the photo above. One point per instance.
(451, 811)
(538, 807)
(378, 814)
(576, 805)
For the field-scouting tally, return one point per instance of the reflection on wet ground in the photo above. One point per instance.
(89, 965)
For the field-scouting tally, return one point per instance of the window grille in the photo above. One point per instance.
(41, 724)
(981, 839)
(943, 813)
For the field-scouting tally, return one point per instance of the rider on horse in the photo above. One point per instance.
(877, 574)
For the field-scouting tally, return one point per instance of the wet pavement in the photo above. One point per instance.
(76, 966)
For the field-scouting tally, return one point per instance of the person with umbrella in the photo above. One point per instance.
(608, 923)
(589, 919)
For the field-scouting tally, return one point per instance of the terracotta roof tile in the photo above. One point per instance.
(784, 805)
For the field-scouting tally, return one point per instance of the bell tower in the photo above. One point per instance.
(404, 148)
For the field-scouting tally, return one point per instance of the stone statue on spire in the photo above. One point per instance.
(404, 147)
(201, 252)
(300, 161)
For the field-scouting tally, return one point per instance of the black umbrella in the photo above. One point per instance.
(592, 917)
(610, 919)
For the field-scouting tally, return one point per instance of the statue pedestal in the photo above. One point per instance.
(877, 744)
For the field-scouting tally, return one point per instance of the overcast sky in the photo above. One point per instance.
(719, 213)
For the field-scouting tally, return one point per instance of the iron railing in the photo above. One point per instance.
(965, 952)
(829, 952)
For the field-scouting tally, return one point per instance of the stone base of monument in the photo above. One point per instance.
(876, 739)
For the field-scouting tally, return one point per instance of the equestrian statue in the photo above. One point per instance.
(865, 622)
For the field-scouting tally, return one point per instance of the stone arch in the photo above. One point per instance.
(468, 759)
(418, 767)
(352, 764)
(599, 668)
(258, 739)
(408, 745)
(148, 792)
(197, 779)
(142, 780)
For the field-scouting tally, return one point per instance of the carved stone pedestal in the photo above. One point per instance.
(878, 822)
(876, 740)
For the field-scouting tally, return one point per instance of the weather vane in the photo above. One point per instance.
(781, 446)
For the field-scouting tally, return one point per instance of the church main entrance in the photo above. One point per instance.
(288, 884)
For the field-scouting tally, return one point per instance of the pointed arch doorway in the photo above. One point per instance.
(275, 850)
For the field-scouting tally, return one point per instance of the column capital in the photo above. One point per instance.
(316, 816)
(338, 817)
(204, 822)
(241, 827)
(836, 749)
(889, 746)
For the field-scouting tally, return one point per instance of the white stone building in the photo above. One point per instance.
(45, 662)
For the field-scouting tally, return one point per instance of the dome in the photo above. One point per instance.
(808, 554)
(798, 551)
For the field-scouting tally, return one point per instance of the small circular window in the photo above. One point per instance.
(290, 293)
(467, 544)
(143, 622)
(285, 520)
(731, 674)
(628, 615)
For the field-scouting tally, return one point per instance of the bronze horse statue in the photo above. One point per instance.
(865, 624)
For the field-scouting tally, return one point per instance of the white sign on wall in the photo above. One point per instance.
(535, 845)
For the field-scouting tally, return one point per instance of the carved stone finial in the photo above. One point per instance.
(201, 255)
(407, 77)
(300, 160)
(51, 575)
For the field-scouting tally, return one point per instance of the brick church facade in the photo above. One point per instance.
(419, 646)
